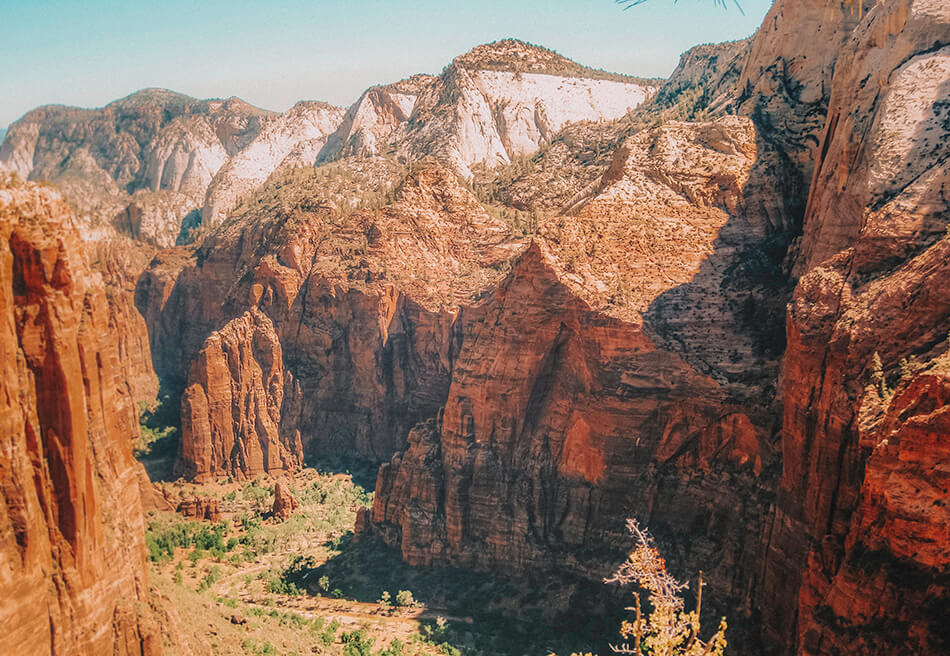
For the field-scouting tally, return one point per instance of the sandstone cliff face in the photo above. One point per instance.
(601, 380)
(860, 500)
(71, 534)
(294, 138)
(526, 398)
(294, 343)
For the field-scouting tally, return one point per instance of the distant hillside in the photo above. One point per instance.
(516, 55)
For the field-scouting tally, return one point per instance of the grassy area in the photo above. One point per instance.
(304, 585)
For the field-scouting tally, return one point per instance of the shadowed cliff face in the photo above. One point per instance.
(857, 490)
(71, 535)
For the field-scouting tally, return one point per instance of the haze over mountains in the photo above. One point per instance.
(533, 300)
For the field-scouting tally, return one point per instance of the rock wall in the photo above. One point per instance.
(853, 560)
(285, 349)
(71, 534)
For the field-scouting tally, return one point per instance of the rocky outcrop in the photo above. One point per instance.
(857, 539)
(200, 508)
(502, 100)
(71, 534)
(231, 406)
(602, 379)
(299, 344)
(374, 120)
(285, 503)
(292, 139)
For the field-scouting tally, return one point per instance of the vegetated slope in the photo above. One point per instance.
(703, 85)
(71, 533)
(144, 164)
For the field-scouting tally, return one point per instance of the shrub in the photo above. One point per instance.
(328, 637)
(210, 579)
(357, 643)
(668, 630)
(395, 648)
(404, 598)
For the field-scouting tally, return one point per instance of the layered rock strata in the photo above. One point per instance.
(857, 555)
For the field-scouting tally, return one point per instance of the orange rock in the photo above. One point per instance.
(71, 534)
(285, 503)
(200, 508)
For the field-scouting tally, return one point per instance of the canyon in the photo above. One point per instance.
(538, 299)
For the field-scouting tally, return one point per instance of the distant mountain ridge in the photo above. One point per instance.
(523, 57)
(157, 163)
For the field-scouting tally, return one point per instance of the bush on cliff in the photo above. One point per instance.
(669, 630)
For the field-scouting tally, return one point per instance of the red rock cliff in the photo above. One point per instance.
(858, 552)
(72, 579)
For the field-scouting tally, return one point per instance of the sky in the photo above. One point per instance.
(274, 53)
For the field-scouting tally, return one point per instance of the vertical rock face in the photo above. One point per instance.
(850, 552)
(600, 380)
(241, 371)
(71, 534)
(294, 348)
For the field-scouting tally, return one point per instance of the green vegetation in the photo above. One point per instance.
(157, 445)
(340, 188)
(288, 579)
(163, 537)
(259, 648)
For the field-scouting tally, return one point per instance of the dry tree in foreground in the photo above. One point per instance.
(668, 630)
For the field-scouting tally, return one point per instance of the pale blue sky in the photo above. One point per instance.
(88, 52)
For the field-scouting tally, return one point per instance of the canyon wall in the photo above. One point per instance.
(286, 344)
(694, 344)
(857, 554)
(71, 533)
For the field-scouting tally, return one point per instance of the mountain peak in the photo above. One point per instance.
(523, 57)
(154, 95)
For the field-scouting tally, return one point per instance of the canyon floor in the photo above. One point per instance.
(252, 583)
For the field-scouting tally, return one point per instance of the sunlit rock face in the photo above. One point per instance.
(294, 138)
(503, 100)
(374, 122)
(71, 534)
(854, 552)
(154, 164)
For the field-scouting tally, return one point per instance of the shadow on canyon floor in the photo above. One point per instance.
(160, 435)
(482, 613)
